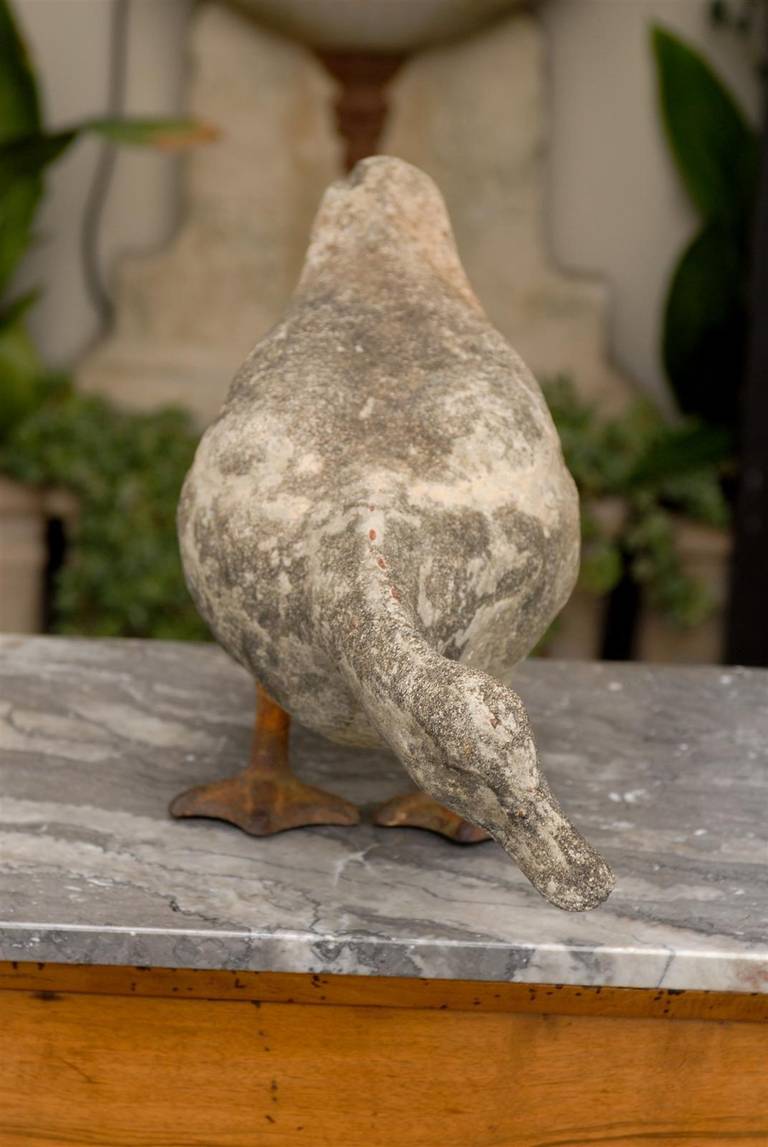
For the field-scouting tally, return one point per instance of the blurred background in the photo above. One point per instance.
(160, 164)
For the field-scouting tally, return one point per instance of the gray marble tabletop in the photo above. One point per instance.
(664, 768)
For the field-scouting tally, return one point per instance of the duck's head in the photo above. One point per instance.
(482, 762)
(384, 222)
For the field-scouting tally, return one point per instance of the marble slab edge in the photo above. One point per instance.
(379, 956)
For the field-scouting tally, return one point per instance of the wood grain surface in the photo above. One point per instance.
(152, 1068)
(385, 991)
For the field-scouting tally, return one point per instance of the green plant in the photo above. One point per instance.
(26, 150)
(716, 152)
(122, 576)
(657, 472)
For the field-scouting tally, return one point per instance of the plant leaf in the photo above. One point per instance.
(14, 310)
(28, 155)
(601, 567)
(682, 450)
(164, 134)
(715, 148)
(705, 327)
(19, 115)
(24, 158)
(19, 97)
(21, 372)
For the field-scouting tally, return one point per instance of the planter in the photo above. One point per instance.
(23, 556)
(24, 515)
(578, 633)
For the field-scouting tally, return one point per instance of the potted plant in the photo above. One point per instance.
(716, 151)
(647, 487)
(657, 494)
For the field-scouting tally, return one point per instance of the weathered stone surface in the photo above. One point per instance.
(380, 522)
(666, 769)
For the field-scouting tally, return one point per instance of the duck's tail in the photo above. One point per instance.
(463, 736)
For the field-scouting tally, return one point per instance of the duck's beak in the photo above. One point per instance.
(557, 860)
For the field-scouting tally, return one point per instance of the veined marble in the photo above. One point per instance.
(665, 768)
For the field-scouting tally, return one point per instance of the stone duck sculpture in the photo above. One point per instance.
(378, 526)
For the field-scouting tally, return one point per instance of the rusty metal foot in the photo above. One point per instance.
(417, 810)
(266, 797)
(264, 806)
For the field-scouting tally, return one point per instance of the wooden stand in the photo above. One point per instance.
(159, 1057)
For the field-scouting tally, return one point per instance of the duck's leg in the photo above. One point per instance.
(417, 810)
(266, 797)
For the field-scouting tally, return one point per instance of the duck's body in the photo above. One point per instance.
(381, 515)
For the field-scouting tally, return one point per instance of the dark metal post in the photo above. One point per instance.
(747, 637)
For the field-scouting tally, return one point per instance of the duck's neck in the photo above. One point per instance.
(464, 737)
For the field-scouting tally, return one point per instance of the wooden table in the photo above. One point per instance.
(173, 984)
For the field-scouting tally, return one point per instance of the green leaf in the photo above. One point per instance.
(715, 148)
(23, 159)
(29, 155)
(699, 496)
(681, 450)
(14, 310)
(21, 372)
(601, 567)
(122, 575)
(705, 327)
(25, 150)
(163, 134)
(19, 115)
(19, 98)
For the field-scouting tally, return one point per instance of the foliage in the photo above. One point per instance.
(26, 150)
(658, 472)
(716, 152)
(123, 576)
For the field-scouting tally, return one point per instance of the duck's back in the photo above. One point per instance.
(384, 413)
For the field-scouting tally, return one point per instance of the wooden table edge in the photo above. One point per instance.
(382, 991)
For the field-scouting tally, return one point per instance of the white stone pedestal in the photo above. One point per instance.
(471, 113)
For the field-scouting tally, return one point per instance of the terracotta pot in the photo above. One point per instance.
(22, 557)
(24, 513)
